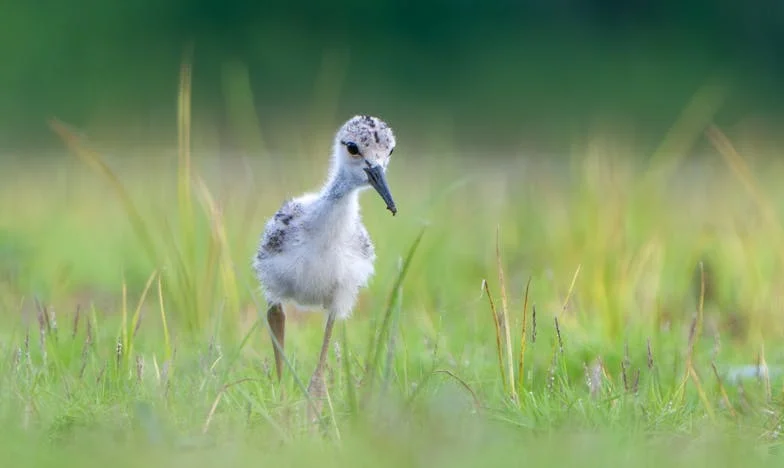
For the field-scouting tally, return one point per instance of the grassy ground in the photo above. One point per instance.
(597, 310)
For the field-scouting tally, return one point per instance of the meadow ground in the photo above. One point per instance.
(591, 310)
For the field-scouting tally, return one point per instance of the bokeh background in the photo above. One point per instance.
(569, 124)
(489, 75)
(621, 157)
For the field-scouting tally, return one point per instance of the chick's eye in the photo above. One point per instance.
(352, 148)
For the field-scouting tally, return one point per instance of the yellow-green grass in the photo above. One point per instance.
(520, 304)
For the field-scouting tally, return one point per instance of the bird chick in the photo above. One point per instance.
(315, 251)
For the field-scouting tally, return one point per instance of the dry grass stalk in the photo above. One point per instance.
(740, 168)
(523, 339)
(763, 372)
(504, 317)
(558, 335)
(723, 391)
(206, 426)
(75, 326)
(571, 289)
(498, 335)
(694, 333)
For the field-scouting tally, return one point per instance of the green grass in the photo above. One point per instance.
(590, 310)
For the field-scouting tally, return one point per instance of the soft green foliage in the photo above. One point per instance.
(485, 70)
(132, 331)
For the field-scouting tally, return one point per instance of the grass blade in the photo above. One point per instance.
(393, 298)
(95, 162)
(498, 335)
(504, 316)
(228, 278)
(166, 339)
(523, 340)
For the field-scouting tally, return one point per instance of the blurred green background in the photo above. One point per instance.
(664, 275)
(491, 74)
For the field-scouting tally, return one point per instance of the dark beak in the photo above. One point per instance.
(378, 181)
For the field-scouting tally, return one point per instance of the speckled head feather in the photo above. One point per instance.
(372, 136)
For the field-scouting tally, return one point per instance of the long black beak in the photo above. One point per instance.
(378, 181)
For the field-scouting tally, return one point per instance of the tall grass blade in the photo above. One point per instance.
(124, 324)
(351, 393)
(164, 324)
(725, 398)
(186, 253)
(745, 176)
(93, 160)
(523, 340)
(570, 292)
(372, 364)
(680, 138)
(504, 316)
(498, 334)
(391, 341)
(228, 279)
(136, 318)
(184, 148)
(764, 372)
